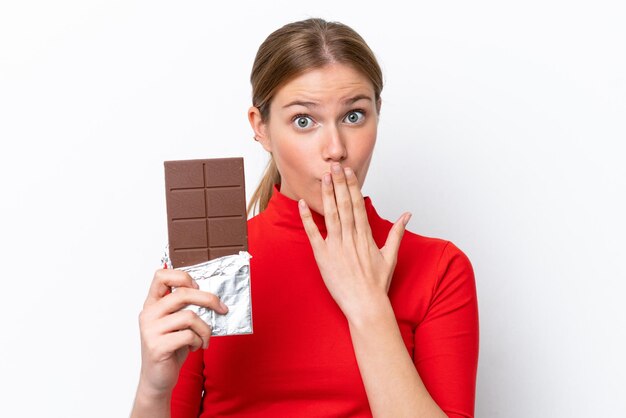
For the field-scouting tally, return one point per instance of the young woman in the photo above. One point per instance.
(353, 316)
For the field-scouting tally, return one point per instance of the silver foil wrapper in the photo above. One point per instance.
(229, 278)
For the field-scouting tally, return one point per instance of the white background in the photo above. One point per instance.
(502, 130)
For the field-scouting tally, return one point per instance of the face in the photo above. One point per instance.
(323, 116)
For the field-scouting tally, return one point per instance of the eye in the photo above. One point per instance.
(302, 121)
(355, 116)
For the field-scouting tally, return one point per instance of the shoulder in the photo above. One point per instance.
(429, 254)
(434, 275)
(435, 263)
(438, 250)
(256, 222)
(415, 243)
(441, 257)
(257, 232)
(255, 219)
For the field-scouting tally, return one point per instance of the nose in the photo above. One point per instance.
(334, 148)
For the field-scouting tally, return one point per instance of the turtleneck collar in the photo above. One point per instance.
(284, 212)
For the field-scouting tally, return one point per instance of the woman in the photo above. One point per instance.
(352, 316)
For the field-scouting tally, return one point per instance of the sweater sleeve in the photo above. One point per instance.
(187, 394)
(446, 340)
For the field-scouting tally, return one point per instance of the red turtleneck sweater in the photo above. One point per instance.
(299, 362)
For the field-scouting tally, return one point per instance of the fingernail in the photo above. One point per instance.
(302, 204)
(406, 219)
(223, 306)
(348, 171)
(336, 167)
(195, 284)
(326, 178)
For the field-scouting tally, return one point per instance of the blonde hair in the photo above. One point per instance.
(292, 50)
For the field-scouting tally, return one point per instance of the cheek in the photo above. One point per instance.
(364, 148)
(295, 158)
(282, 148)
(363, 151)
(287, 157)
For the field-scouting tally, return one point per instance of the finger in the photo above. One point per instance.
(173, 341)
(185, 319)
(331, 216)
(309, 225)
(163, 282)
(361, 222)
(342, 196)
(392, 244)
(184, 296)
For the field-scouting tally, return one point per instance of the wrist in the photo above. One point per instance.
(151, 403)
(151, 394)
(371, 313)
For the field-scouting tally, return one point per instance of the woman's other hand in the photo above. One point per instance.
(169, 333)
(356, 272)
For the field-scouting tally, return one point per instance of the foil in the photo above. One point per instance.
(229, 278)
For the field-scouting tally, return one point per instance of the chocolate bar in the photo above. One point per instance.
(206, 209)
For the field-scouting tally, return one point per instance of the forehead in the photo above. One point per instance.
(334, 82)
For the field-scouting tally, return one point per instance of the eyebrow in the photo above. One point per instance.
(348, 101)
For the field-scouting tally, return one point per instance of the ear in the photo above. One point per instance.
(259, 127)
(379, 103)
